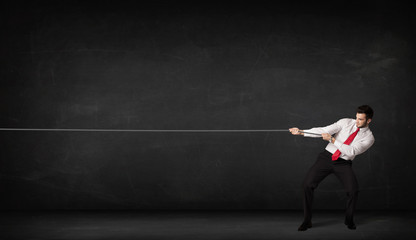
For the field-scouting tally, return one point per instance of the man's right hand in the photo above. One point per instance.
(295, 131)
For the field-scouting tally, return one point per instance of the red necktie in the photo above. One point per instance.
(336, 155)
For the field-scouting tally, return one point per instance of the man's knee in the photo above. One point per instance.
(307, 186)
(352, 192)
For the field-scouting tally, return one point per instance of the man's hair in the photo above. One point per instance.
(367, 110)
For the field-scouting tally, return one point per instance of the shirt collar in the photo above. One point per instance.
(363, 129)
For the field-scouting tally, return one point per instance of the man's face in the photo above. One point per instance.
(362, 120)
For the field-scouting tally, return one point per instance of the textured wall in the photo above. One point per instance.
(169, 66)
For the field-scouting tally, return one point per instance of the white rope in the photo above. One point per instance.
(140, 130)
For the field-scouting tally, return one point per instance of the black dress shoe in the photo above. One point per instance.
(304, 226)
(351, 226)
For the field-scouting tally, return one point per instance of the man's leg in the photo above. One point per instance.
(346, 175)
(315, 175)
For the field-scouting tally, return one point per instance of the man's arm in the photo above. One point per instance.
(354, 148)
(325, 132)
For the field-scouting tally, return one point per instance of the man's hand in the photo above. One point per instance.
(295, 131)
(327, 137)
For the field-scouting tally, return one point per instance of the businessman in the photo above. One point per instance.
(347, 138)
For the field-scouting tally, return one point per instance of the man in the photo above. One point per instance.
(347, 139)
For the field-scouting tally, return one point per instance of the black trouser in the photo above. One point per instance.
(321, 169)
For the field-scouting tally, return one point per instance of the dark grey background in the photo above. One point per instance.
(124, 65)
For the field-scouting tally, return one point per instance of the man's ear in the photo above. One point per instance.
(368, 121)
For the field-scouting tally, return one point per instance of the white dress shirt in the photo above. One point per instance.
(342, 130)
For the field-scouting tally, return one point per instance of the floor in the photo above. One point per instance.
(202, 225)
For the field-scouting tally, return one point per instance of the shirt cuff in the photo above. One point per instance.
(307, 135)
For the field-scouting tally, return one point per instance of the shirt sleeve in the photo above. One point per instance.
(331, 129)
(355, 148)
